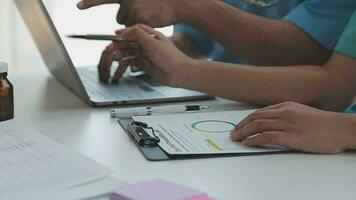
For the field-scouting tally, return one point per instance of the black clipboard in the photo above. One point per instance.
(156, 153)
(152, 153)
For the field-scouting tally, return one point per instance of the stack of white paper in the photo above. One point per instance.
(32, 165)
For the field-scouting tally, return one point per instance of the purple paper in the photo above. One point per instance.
(155, 190)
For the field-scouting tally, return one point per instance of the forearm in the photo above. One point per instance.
(348, 130)
(313, 85)
(187, 45)
(259, 40)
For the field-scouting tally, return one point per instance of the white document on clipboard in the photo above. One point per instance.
(200, 133)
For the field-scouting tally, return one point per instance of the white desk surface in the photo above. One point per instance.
(44, 104)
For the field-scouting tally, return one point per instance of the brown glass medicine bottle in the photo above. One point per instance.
(6, 95)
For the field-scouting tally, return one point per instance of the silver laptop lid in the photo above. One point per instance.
(50, 45)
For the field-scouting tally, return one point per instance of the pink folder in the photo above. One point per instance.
(158, 190)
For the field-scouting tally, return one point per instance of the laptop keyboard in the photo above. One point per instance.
(126, 89)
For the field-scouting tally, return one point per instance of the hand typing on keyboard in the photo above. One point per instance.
(156, 55)
(117, 51)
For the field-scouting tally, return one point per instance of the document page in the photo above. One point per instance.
(199, 133)
(33, 164)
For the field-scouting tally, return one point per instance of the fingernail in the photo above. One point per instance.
(80, 5)
(128, 58)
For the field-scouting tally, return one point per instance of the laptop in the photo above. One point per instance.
(84, 81)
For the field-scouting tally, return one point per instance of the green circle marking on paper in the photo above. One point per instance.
(213, 126)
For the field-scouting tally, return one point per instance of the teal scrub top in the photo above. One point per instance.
(347, 43)
(323, 20)
(347, 46)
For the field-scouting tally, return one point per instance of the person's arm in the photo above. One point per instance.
(258, 40)
(298, 127)
(330, 86)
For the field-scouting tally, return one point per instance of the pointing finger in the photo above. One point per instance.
(85, 4)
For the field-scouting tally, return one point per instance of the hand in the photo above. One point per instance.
(122, 51)
(155, 13)
(152, 52)
(157, 55)
(298, 127)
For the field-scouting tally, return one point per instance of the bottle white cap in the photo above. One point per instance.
(3, 68)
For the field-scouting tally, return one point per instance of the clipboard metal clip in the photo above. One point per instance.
(138, 131)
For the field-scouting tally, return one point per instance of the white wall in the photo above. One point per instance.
(18, 49)
(16, 45)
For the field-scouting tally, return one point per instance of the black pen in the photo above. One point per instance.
(114, 38)
(99, 37)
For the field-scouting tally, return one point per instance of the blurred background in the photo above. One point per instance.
(16, 45)
(18, 49)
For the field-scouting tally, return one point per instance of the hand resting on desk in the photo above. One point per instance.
(298, 127)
